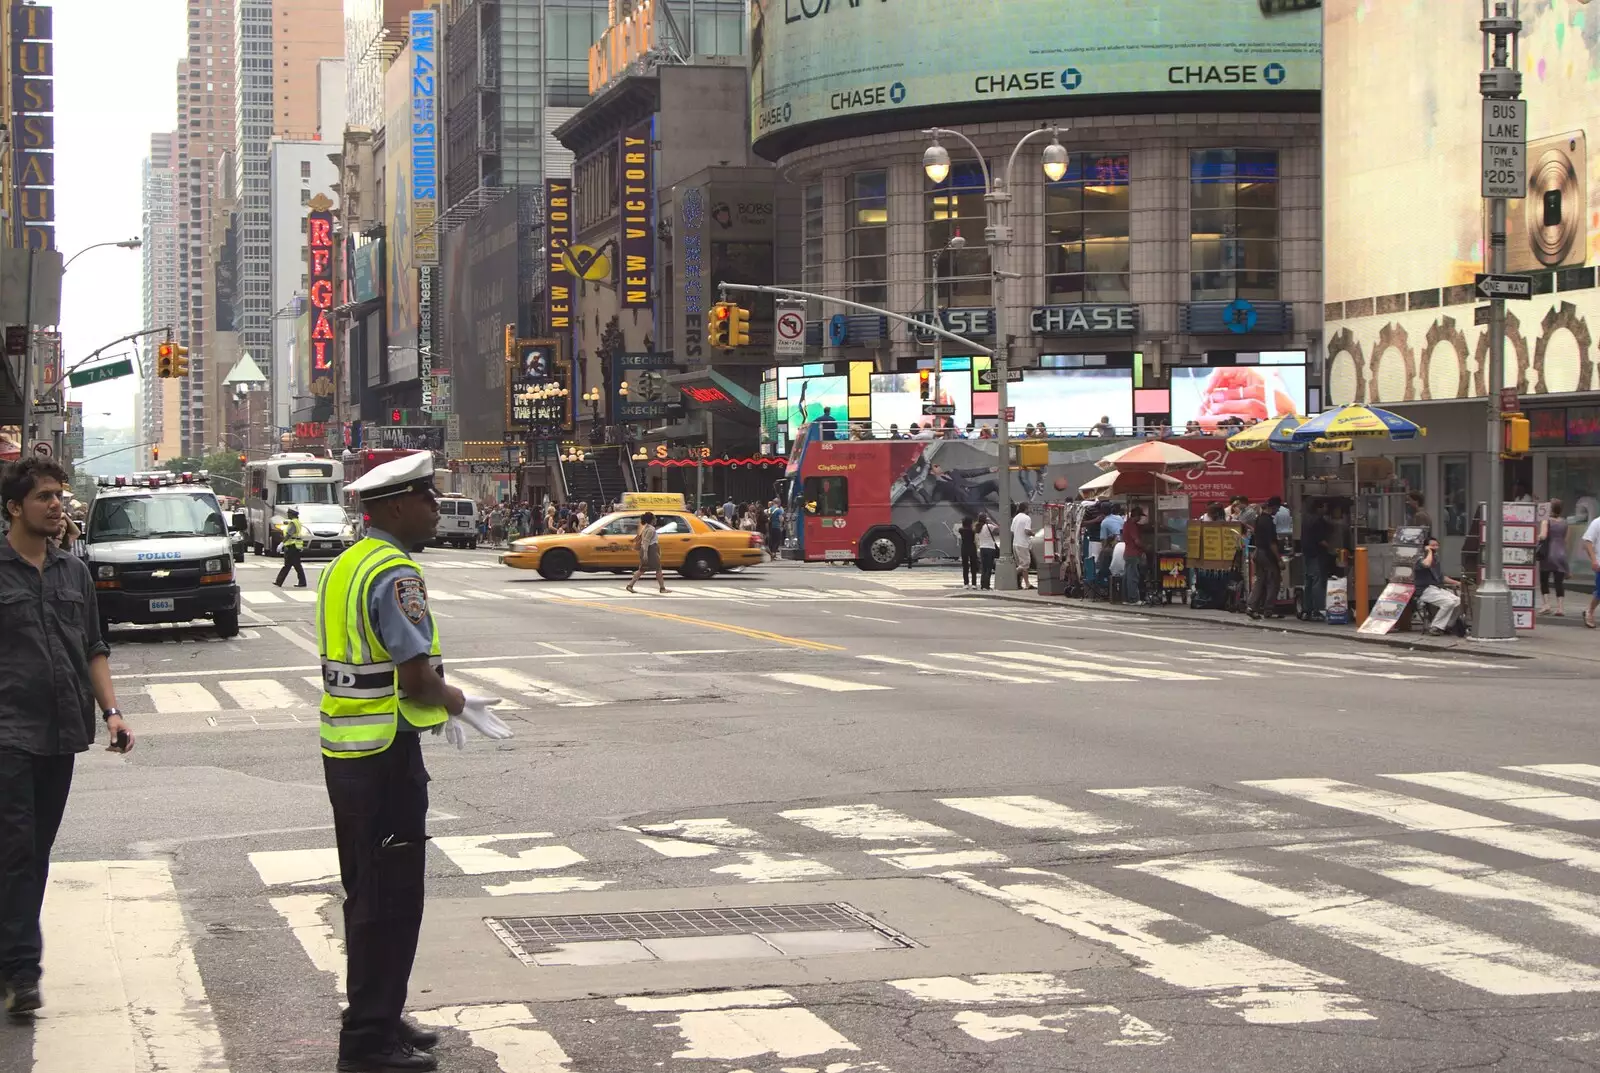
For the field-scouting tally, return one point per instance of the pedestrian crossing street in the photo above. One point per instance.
(1276, 902)
(564, 678)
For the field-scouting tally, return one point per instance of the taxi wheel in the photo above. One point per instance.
(701, 565)
(557, 565)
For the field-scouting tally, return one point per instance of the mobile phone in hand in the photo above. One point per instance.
(119, 742)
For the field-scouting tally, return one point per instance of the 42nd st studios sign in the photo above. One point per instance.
(814, 60)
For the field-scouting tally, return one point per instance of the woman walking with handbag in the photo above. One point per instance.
(649, 549)
(1552, 556)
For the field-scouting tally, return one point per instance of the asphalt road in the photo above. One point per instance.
(1067, 840)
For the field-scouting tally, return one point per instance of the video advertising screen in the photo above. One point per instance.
(1073, 400)
(1259, 392)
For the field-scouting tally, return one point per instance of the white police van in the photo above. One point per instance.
(159, 549)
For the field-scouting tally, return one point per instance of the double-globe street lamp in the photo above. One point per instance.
(997, 235)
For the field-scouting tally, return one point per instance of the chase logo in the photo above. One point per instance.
(1274, 74)
(897, 93)
(1071, 78)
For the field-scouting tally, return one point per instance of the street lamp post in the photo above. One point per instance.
(997, 234)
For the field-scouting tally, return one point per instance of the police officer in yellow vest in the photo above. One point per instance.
(294, 542)
(383, 681)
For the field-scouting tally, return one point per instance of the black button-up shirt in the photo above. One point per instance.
(49, 630)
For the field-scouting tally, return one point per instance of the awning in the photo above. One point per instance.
(707, 389)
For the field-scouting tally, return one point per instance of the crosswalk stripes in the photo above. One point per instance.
(1453, 919)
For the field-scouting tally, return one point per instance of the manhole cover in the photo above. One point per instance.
(527, 937)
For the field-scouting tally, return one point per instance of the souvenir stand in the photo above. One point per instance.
(1216, 566)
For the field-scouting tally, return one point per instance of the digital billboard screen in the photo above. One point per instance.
(1073, 400)
(1404, 231)
(815, 60)
(1209, 397)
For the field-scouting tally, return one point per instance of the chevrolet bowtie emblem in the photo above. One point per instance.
(161, 573)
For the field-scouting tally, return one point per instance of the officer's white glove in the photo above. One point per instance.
(455, 733)
(478, 716)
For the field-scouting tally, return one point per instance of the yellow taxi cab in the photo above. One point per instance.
(697, 547)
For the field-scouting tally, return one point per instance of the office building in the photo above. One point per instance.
(158, 416)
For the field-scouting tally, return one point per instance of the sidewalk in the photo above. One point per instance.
(1561, 638)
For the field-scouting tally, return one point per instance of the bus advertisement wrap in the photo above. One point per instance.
(812, 60)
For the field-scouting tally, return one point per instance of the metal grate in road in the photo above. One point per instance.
(526, 936)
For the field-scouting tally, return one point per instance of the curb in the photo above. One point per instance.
(1241, 622)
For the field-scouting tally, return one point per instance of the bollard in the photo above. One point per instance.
(1358, 583)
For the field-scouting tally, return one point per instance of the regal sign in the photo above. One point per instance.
(1086, 320)
(323, 339)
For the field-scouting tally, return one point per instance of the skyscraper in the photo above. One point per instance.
(158, 416)
(206, 78)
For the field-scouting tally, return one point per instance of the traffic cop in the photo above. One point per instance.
(383, 683)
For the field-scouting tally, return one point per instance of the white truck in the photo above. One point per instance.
(159, 549)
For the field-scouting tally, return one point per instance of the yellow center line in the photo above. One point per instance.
(743, 631)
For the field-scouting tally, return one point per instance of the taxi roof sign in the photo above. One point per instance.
(653, 501)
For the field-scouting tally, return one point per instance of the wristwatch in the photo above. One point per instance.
(109, 712)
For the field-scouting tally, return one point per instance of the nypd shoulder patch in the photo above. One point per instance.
(412, 596)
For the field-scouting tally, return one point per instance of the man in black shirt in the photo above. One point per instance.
(1315, 536)
(1431, 590)
(54, 666)
(1266, 559)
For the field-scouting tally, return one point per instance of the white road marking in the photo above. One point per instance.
(313, 680)
(250, 596)
(728, 1033)
(717, 831)
(475, 855)
(706, 1000)
(125, 992)
(312, 930)
(181, 698)
(998, 988)
(1031, 814)
(547, 885)
(1588, 774)
(305, 644)
(672, 847)
(481, 594)
(296, 867)
(992, 1028)
(1578, 851)
(757, 866)
(1002, 659)
(1457, 877)
(506, 1031)
(870, 618)
(817, 681)
(872, 823)
(506, 679)
(1105, 666)
(1460, 953)
(1423, 661)
(303, 596)
(1259, 987)
(929, 668)
(1206, 807)
(262, 693)
(1522, 795)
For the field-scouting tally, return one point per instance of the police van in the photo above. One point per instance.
(159, 549)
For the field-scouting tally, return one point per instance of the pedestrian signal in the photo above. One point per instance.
(721, 318)
(738, 326)
(1515, 433)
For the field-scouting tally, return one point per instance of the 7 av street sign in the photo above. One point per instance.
(1505, 286)
(101, 372)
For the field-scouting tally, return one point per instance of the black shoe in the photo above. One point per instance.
(417, 1037)
(400, 1056)
(22, 999)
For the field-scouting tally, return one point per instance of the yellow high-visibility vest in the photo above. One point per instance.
(294, 534)
(362, 702)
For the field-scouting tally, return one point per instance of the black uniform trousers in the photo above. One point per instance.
(380, 808)
(291, 561)
(33, 797)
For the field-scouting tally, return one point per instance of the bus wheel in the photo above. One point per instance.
(882, 550)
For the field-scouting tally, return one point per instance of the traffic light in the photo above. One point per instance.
(720, 322)
(738, 326)
(180, 361)
(155, 454)
(1515, 443)
(242, 461)
(397, 417)
(923, 377)
(164, 360)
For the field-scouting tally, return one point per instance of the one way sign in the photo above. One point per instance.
(1012, 376)
(1505, 286)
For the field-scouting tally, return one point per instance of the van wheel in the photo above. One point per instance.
(883, 550)
(701, 565)
(558, 565)
(473, 544)
(227, 623)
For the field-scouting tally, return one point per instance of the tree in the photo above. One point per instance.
(219, 464)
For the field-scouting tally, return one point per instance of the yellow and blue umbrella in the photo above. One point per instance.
(1261, 433)
(1354, 420)
(1282, 440)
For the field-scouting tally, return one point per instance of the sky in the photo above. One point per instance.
(116, 84)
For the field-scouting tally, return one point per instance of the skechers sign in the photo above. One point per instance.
(1085, 320)
(819, 60)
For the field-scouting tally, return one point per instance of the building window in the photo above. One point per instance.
(1086, 231)
(811, 243)
(305, 197)
(1455, 475)
(1233, 224)
(955, 207)
(305, 169)
(867, 237)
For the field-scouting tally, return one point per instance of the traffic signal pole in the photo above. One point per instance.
(921, 326)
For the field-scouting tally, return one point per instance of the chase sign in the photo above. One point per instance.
(1085, 320)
